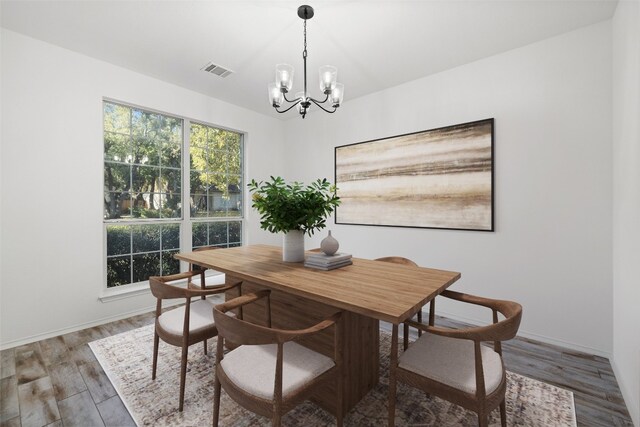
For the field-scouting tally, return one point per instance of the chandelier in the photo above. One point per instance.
(333, 91)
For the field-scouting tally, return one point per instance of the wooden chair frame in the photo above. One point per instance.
(240, 332)
(480, 402)
(162, 290)
(200, 270)
(432, 303)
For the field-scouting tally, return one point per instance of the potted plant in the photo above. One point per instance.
(294, 209)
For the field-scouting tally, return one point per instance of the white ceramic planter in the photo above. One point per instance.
(293, 246)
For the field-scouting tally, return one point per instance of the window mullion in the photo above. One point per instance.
(185, 230)
(131, 266)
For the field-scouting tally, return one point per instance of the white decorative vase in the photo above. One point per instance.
(329, 245)
(293, 246)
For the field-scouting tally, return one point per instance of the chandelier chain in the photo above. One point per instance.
(305, 102)
(304, 53)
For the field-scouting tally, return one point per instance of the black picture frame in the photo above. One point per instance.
(440, 178)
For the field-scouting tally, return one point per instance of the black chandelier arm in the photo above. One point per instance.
(321, 107)
(292, 105)
(320, 102)
(290, 100)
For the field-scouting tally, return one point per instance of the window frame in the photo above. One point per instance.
(185, 221)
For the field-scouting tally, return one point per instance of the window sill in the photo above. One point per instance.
(128, 291)
(121, 292)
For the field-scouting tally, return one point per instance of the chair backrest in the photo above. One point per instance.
(397, 260)
(161, 289)
(238, 331)
(507, 328)
(502, 330)
(241, 332)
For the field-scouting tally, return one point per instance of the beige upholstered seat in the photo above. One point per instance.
(200, 318)
(268, 373)
(454, 365)
(209, 280)
(451, 361)
(253, 368)
(184, 325)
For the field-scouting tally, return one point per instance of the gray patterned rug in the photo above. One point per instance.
(126, 359)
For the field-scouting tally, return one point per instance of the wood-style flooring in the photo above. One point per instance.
(58, 381)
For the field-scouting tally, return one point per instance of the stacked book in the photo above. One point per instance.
(322, 261)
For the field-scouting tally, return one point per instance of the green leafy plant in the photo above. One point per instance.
(285, 207)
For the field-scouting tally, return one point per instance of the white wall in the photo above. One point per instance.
(52, 242)
(626, 202)
(551, 250)
(1, 180)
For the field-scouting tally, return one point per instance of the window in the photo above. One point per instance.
(216, 172)
(142, 163)
(144, 191)
(215, 186)
(219, 233)
(135, 252)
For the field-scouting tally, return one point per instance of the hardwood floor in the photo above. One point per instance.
(58, 381)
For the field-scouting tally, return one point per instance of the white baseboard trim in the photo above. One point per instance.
(533, 336)
(633, 406)
(102, 321)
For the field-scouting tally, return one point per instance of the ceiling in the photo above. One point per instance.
(374, 44)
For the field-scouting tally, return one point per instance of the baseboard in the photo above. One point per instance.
(104, 298)
(632, 404)
(102, 321)
(533, 336)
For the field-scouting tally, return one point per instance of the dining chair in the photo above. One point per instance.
(185, 325)
(269, 373)
(202, 281)
(454, 365)
(432, 303)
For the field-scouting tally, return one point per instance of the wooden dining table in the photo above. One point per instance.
(367, 292)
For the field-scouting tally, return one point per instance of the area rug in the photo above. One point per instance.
(126, 359)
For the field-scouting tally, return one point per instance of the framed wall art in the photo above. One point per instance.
(438, 178)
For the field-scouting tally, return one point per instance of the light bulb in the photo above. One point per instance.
(275, 95)
(328, 75)
(284, 76)
(337, 94)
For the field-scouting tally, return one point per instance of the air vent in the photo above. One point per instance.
(216, 69)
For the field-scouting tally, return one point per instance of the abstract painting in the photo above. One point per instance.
(439, 178)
